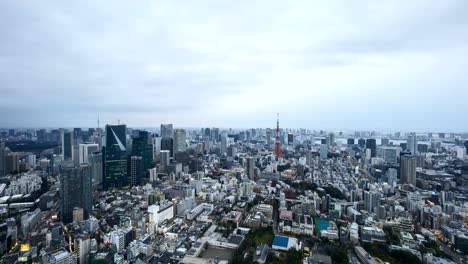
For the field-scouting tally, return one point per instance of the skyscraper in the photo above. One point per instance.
(115, 157)
(67, 145)
(165, 159)
(331, 139)
(166, 130)
(323, 151)
(141, 148)
(290, 138)
(361, 142)
(85, 150)
(412, 143)
(372, 145)
(95, 161)
(75, 191)
(156, 144)
(167, 143)
(136, 172)
(250, 165)
(180, 138)
(408, 169)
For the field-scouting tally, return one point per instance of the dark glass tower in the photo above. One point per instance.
(115, 157)
(372, 145)
(141, 148)
(67, 145)
(75, 191)
(168, 144)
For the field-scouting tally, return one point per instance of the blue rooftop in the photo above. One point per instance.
(322, 224)
(280, 241)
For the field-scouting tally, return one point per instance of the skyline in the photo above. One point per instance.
(364, 66)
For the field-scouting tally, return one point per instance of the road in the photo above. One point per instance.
(455, 256)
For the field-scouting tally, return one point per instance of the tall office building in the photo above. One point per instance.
(207, 133)
(323, 151)
(215, 134)
(412, 143)
(372, 145)
(331, 139)
(362, 143)
(180, 138)
(165, 159)
(67, 145)
(115, 157)
(385, 142)
(389, 154)
(408, 169)
(223, 146)
(141, 148)
(350, 142)
(136, 170)
(156, 144)
(166, 131)
(250, 166)
(77, 136)
(95, 161)
(12, 163)
(167, 143)
(84, 150)
(75, 191)
(290, 138)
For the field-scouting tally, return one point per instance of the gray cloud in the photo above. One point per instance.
(336, 65)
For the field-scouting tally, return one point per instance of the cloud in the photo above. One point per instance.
(334, 65)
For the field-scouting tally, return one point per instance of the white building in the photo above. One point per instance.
(160, 213)
(84, 150)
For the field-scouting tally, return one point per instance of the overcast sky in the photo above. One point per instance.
(383, 65)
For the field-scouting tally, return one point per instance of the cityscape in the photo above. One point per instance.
(233, 132)
(211, 195)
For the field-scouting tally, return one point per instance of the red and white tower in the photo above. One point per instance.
(278, 152)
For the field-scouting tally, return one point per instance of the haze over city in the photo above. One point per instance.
(394, 66)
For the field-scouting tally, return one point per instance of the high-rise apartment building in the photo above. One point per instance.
(408, 169)
(250, 166)
(136, 170)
